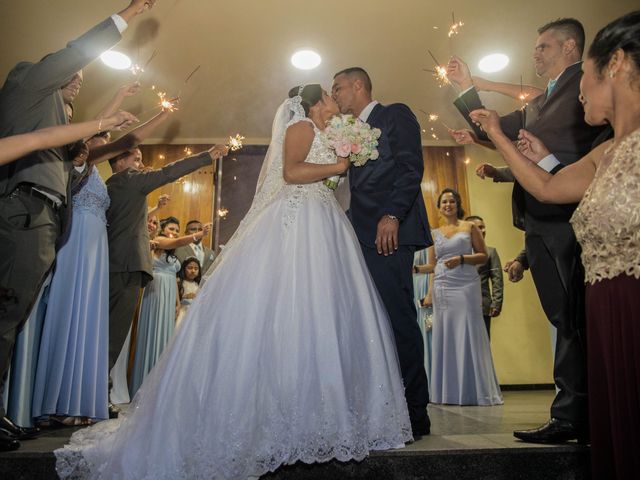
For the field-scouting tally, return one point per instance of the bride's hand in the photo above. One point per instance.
(343, 164)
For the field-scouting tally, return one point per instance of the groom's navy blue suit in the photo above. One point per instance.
(390, 185)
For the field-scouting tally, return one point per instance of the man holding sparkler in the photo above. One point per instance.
(130, 265)
(551, 248)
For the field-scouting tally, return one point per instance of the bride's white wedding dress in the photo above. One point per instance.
(286, 354)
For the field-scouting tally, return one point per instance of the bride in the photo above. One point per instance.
(286, 354)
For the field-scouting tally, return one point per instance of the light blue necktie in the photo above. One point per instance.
(550, 86)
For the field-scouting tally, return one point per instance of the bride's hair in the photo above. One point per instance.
(310, 95)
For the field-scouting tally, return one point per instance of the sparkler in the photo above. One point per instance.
(167, 105)
(218, 212)
(434, 117)
(191, 74)
(439, 72)
(235, 142)
(523, 109)
(454, 29)
(138, 70)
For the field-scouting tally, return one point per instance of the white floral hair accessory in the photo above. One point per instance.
(296, 103)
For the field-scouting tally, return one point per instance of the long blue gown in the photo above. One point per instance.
(71, 376)
(462, 370)
(420, 290)
(157, 320)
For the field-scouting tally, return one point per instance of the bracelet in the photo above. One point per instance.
(100, 126)
(461, 259)
(392, 217)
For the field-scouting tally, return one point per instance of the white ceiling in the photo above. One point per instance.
(244, 46)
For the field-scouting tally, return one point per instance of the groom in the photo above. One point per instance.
(389, 217)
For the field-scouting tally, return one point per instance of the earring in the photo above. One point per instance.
(611, 74)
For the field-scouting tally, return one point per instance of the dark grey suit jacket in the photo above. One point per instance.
(127, 215)
(491, 282)
(31, 99)
(559, 122)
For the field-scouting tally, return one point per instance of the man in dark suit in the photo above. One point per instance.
(196, 249)
(34, 190)
(491, 280)
(557, 117)
(130, 265)
(389, 217)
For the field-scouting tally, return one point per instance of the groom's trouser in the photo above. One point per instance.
(394, 279)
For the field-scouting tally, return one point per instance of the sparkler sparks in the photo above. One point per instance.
(454, 29)
(235, 143)
(167, 105)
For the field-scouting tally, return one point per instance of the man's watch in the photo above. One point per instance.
(392, 217)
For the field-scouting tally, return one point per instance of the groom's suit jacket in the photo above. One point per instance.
(391, 183)
(558, 120)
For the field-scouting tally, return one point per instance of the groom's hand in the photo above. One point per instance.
(387, 235)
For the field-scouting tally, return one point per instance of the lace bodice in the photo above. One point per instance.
(296, 194)
(607, 220)
(92, 197)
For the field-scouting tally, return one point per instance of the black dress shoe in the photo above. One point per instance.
(554, 431)
(8, 442)
(19, 433)
(420, 429)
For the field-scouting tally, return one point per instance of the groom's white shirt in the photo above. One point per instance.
(364, 114)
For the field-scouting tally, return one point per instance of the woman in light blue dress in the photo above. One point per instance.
(158, 308)
(425, 314)
(18, 393)
(71, 376)
(462, 371)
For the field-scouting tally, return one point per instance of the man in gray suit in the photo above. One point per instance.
(556, 117)
(491, 281)
(196, 249)
(130, 265)
(34, 189)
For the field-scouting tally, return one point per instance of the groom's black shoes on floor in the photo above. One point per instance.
(18, 433)
(421, 428)
(554, 431)
(8, 442)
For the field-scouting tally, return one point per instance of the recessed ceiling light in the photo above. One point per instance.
(116, 60)
(493, 63)
(306, 59)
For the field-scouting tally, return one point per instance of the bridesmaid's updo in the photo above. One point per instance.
(310, 94)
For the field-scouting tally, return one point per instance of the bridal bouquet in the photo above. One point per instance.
(351, 138)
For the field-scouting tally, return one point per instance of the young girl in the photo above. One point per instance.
(188, 285)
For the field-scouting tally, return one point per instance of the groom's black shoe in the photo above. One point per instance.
(421, 428)
(554, 431)
(18, 433)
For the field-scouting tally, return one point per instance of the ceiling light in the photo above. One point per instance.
(493, 63)
(305, 59)
(116, 60)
